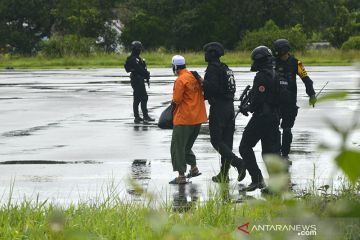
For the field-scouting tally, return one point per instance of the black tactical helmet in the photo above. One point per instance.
(281, 46)
(214, 47)
(136, 45)
(262, 57)
(261, 53)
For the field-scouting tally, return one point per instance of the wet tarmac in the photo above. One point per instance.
(68, 135)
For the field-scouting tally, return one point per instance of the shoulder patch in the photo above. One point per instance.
(262, 88)
(301, 70)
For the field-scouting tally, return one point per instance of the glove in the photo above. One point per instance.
(244, 110)
(312, 100)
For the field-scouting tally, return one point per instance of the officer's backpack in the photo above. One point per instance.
(126, 66)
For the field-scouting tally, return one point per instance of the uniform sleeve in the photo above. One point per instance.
(258, 92)
(211, 83)
(301, 72)
(178, 91)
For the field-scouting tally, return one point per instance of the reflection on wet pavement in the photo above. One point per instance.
(38, 179)
(28, 132)
(66, 134)
(140, 169)
(185, 197)
(141, 175)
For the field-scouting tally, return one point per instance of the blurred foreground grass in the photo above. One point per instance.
(333, 216)
(330, 57)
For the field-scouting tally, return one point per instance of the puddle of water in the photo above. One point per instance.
(28, 132)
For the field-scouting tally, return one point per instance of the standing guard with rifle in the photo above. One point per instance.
(139, 73)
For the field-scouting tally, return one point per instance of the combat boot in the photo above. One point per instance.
(240, 167)
(223, 175)
(138, 120)
(258, 184)
(147, 118)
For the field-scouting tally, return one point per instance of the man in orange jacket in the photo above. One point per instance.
(189, 114)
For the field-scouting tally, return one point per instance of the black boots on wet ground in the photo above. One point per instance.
(146, 118)
(223, 175)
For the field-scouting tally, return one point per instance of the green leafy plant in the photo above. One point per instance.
(352, 43)
(269, 33)
(68, 45)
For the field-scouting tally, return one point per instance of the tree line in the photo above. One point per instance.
(25, 24)
(64, 26)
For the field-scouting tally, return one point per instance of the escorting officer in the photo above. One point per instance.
(139, 73)
(219, 89)
(264, 123)
(189, 114)
(287, 67)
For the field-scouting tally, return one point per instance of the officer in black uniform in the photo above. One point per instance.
(264, 123)
(139, 73)
(287, 67)
(219, 89)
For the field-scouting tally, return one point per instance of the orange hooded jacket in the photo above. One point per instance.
(188, 96)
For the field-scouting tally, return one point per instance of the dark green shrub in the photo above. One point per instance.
(68, 45)
(148, 29)
(352, 43)
(269, 33)
(344, 26)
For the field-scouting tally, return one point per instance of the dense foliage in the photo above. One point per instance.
(61, 46)
(269, 33)
(170, 24)
(352, 43)
(189, 24)
(24, 24)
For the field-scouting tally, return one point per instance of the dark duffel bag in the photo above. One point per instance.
(166, 117)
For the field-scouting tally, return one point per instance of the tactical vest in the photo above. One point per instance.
(272, 97)
(271, 83)
(129, 67)
(228, 85)
(286, 72)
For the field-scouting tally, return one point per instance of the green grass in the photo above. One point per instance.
(335, 216)
(163, 59)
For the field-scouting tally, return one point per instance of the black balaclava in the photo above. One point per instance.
(212, 56)
(136, 51)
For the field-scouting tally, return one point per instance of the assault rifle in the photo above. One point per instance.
(244, 101)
